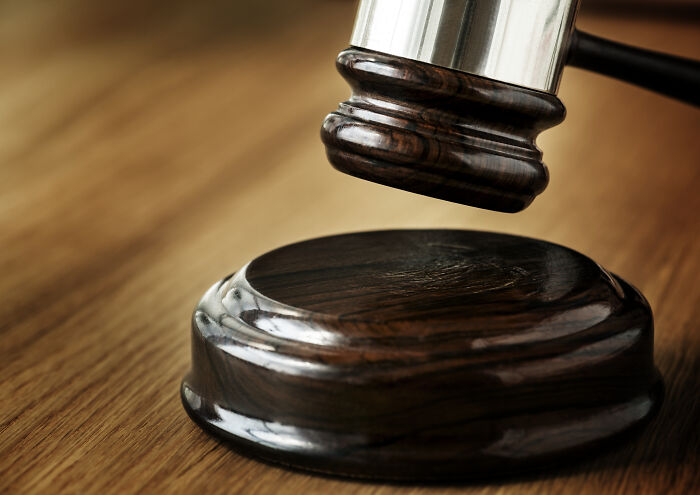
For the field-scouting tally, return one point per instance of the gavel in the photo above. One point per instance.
(449, 96)
(438, 354)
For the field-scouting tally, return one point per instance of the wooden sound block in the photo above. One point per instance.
(421, 355)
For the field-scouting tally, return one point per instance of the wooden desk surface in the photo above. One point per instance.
(138, 166)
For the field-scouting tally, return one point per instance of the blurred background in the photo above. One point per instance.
(148, 148)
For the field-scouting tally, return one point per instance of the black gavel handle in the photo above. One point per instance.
(673, 76)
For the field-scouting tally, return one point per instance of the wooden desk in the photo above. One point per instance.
(139, 165)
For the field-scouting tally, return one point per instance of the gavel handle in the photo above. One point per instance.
(673, 76)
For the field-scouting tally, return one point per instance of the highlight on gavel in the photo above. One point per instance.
(449, 96)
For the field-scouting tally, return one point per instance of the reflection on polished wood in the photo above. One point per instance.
(139, 165)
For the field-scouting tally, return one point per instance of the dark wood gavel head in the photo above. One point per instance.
(440, 132)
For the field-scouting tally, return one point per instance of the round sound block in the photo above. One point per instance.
(421, 354)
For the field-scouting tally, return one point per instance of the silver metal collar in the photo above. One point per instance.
(521, 42)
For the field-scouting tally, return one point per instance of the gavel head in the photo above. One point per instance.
(449, 96)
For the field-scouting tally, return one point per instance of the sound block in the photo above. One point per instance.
(421, 355)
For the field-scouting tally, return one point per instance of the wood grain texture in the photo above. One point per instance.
(141, 161)
(440, 132)
(422, 354)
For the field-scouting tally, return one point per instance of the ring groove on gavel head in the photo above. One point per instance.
(440, 132)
